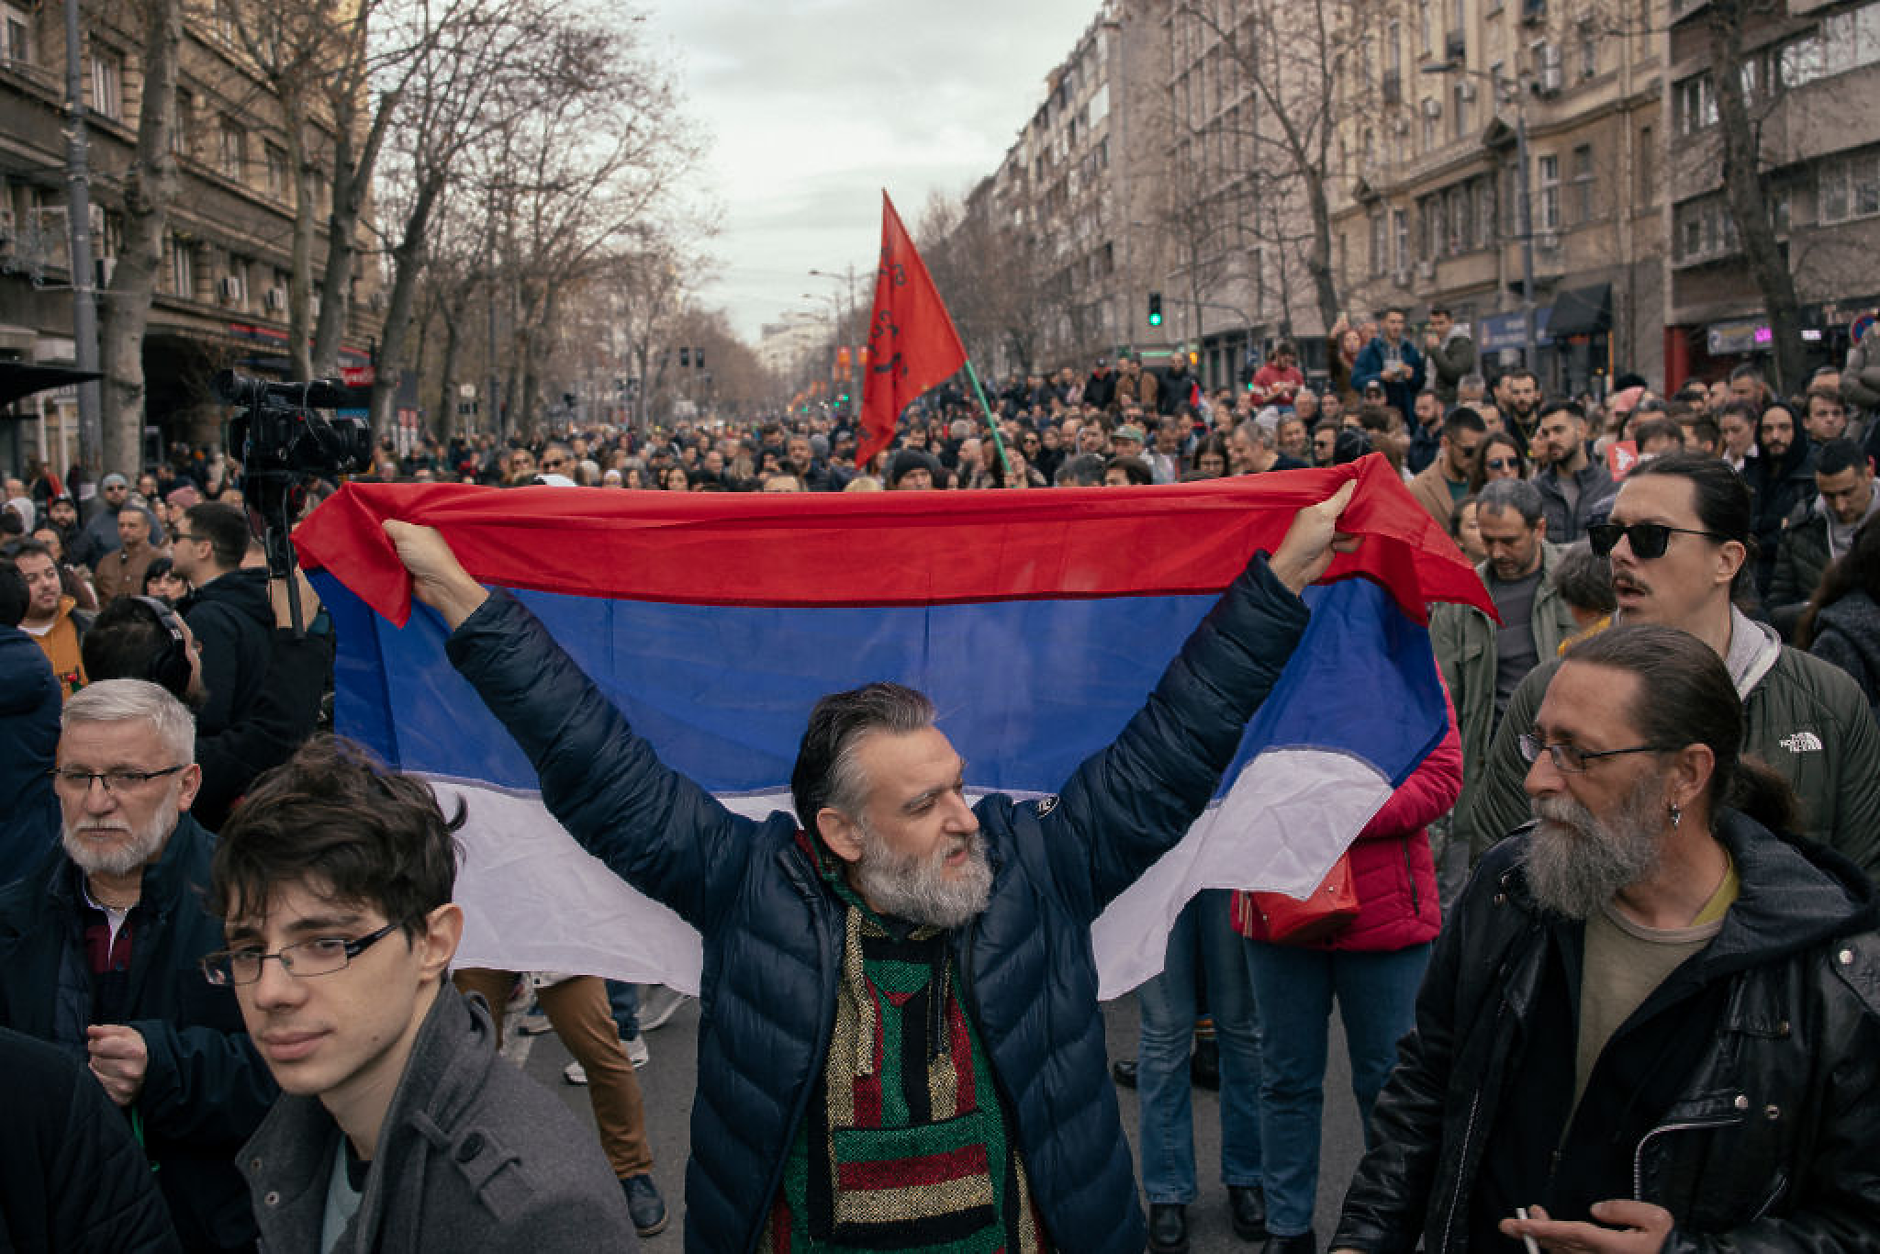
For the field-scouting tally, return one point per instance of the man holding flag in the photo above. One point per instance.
(903, 1045)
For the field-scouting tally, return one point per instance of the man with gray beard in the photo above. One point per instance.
(901, 1045)
(99, 947)
(1653, 1020)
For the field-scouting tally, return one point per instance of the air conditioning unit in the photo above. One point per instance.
(107, 266)
(1547, 241)
(1400, 125)
(1401, 278)
(1465, 90)
(229, 288)
(1432, 108)
(275, 299)
(313, 306)
(1426, 270)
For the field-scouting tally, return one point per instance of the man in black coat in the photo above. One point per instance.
(228, 613)
(99, 947)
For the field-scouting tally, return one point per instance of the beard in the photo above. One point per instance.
(919, 888)
(1576, 864)
(134, 847)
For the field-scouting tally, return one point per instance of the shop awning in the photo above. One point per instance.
(1581, 311)
(23, 378)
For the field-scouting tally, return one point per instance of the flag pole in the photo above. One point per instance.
(998, 441)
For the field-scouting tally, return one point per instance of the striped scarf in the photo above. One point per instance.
(906, 1145)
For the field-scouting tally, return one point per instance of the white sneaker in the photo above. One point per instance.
(533, 1025)
(637, 1053)
(657, 1005)
(574, 1073)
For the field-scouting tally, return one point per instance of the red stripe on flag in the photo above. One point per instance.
(927, 548)
(902, 1173)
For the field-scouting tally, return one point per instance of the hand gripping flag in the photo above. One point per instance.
(1037, 621)
(911, 341)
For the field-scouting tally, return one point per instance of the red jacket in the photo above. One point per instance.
(1391, 866)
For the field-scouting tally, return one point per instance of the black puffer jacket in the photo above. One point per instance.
(1769, 1141)
(773, 930)
(206, 1090)
(71, 1177)
(232, 620)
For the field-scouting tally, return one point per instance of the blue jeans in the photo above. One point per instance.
(1201, 936)
(1377, 999)
(623, 1001)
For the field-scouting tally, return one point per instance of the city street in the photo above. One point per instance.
(668, 1081)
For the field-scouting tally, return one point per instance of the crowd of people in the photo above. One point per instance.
(1606, 971)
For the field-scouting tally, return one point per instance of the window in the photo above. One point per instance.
(185, 126)
(235, 282)
(280, 183)
(1583, 183)
(1547, 194)
(1458, 202)
(1462, 93)
(1379, 243)
(107, 83)
(1486, 232)
(1424, 26)
(1393, 48)
(1432, 115)
(1589, 49)
(230, 149)
(182, 268)
(1703, 230)
(16, 35)
(1848, 187)
(1694, 105)
(1851, 39)
(1400, 233)
(1646, 162)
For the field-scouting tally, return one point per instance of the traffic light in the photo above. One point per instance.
(1155, 309)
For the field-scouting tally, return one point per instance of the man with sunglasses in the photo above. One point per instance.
(1678, 541)
(399, 1125)
(99, 945)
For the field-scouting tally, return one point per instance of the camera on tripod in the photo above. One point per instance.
(282, 440)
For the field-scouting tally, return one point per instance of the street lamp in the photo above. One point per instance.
(1512, 91)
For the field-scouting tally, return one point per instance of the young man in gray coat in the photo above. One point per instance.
(400, 1127)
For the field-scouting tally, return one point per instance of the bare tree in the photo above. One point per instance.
(1292, 57)
(148, 186)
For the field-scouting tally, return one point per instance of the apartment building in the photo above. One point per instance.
(222, 292)
(1431, 213)
(1811, 76)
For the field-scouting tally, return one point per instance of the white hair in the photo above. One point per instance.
(122, 700)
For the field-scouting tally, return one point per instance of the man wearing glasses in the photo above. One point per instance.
(99, 945)
(1678, 540)
(1650, 1023)
(400, 1126)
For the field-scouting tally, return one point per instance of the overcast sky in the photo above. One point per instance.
(813, 106)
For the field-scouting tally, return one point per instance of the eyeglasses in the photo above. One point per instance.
(322, 955)
(192, 538)
(1502, 463)
(77, 782)
(1648, 540)
(1571, 758)
(549, 463)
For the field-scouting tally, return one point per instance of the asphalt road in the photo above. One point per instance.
(668, 1079)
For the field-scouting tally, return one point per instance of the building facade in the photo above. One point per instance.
(221, 297)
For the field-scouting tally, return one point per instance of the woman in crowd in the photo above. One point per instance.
(1373, 968)
(162, 581)
(1209, 460)
(1498, 457)
(676, 480)
(1842, 622)
(1466, 531)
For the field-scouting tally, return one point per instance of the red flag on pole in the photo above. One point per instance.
(911, 341)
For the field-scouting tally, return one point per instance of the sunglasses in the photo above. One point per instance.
(1502, 463)
(1648, 540)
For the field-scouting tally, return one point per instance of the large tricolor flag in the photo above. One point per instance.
(1038, 621)
(912, 343)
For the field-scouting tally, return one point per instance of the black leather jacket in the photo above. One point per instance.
(1771, 1142)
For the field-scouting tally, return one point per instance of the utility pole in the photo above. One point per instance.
(84, 291)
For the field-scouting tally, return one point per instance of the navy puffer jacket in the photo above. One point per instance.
(772, 930)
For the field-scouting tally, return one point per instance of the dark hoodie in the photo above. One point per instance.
(1780, 484)
(232, 621)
